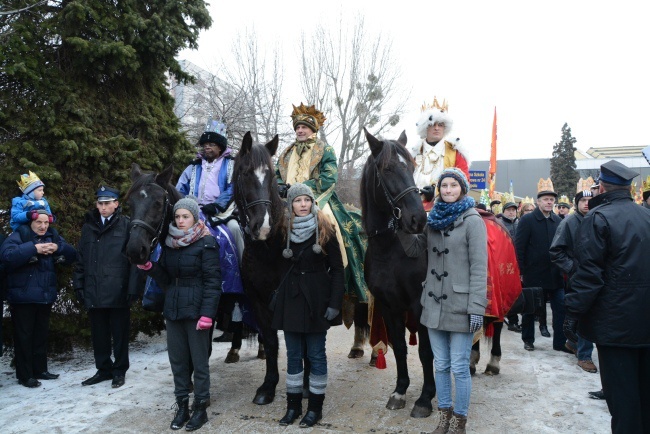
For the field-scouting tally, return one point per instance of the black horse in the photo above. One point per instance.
(151, 200)
(390, 201)
(262, 213)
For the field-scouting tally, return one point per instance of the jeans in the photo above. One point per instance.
(312, 346)
(585, 349)
(451, 353)
(557, 308)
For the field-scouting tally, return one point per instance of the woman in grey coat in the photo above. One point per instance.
(454, 296)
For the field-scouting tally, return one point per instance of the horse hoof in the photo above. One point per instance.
(373, 361)
(493, 367)
(355, 353)
(421, 412)
(261, 354)
(232, 358)
(396, 402)
(263, 399)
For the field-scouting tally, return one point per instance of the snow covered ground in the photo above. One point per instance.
(543, 391)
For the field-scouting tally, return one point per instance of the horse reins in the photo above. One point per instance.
(393, 202)
(147, 227)
(248, 205)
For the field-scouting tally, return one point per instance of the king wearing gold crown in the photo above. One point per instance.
(436, 151)
(312, 162)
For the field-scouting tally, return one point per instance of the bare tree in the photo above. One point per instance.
(352, 76)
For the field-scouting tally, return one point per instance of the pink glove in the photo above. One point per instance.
(146, 266)
(204, 323)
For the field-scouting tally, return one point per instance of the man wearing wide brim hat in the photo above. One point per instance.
(106, 284)
(610, 295)
(534, 235)
(312, 162)
(436, 150)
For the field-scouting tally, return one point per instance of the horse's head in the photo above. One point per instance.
(256, 188)
(388, 187)
(150, 200)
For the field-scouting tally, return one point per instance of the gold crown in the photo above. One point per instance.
(528, 200)
(26, 180)
(436, 105)
(646, 184)
(508, 197)
(308, 114)
(545, 185)
(584, 184)
(564, 199)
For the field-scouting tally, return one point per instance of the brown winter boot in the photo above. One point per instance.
(457, 424)
(444, 416)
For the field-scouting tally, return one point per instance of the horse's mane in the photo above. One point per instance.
(385, 158)
(256, 157)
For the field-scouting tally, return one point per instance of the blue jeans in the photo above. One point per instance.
(451, 353)
(556, 297)
(585, 349)
(312, 346)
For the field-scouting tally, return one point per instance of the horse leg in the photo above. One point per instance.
(396, 329)
(238, 332)
(266, 392)
(423, 407)
(493, 366)
(261, 354)
(474, 357)
(361, 330)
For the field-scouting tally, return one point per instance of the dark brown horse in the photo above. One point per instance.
(389, 202)
(262, 215)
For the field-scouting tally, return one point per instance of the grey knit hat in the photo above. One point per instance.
(296, 190)
(189, 203)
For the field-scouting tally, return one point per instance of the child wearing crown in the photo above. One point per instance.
(33, 199)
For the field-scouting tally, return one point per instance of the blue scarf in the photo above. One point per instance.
(444, 214)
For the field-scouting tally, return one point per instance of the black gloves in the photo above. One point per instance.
(210, 210)
(428, 191)
(80, 295)
(283, 189)
(131, 299)
(570, 328)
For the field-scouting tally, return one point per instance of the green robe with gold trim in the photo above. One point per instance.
(323, 174)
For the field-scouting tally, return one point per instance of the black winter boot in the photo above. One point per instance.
(182, 413)
(294, 409)
(314, 410)
(199, 415)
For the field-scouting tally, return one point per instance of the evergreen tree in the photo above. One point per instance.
(83, 94)
(563, 164)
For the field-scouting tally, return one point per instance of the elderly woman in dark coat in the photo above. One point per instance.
(31, 281)
(189, 271)
(308, 301)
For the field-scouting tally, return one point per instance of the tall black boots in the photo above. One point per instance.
(199, 415)
(294, 409)
(314, 410)
(182, 413)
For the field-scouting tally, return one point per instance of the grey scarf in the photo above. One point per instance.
(303, 228)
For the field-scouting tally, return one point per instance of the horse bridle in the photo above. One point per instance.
(248, 205)
(397, 211)
(155, 233)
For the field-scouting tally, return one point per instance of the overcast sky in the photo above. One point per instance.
(540, 63)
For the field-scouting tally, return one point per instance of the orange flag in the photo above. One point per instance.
(493, 156)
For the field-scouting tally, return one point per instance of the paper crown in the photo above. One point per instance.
(27, 180)
(545, 185)
(436, 105)
(584, 184)
(564, 200)
(528, 200)
(646, 185)
(508, 198)
(308, 115)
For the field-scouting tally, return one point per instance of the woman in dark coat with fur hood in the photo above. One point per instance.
(308, 300)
